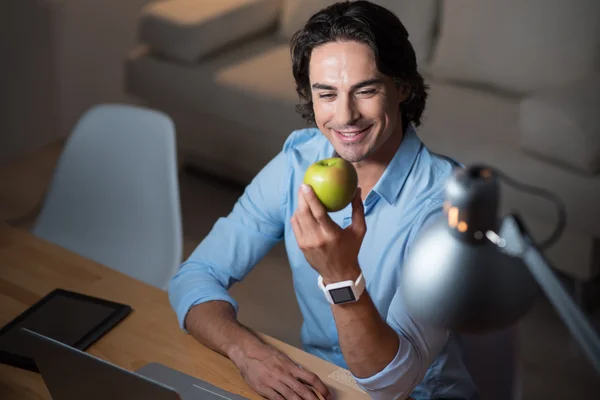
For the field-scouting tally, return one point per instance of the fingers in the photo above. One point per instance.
(304, 210)
(297, 381)
(271, 394)
(286, 380)
(303, 222)
(359, 225)
(296, 228)
(313, 380)
(318, 395)
(300, 388)
(317, 208)
(272, 374)
(284, 390)
(310, 219)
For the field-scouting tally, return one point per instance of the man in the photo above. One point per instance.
(356, 72)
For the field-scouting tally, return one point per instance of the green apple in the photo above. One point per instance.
(334, 181)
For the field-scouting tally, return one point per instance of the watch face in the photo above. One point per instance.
(342, 295)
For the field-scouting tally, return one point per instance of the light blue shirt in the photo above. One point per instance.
(410, 192)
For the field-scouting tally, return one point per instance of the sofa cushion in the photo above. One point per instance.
(251, 85)
(190, 29)
(516, 45)
(260, 91)
(295, 13)
(563, 124)
(419, 18)
(476, 126)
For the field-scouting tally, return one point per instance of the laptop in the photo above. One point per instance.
(72, 374)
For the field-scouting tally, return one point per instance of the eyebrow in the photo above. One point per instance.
(358, 85)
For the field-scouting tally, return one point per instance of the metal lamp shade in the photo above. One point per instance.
(465, 287)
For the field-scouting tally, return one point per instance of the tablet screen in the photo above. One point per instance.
(70, 318)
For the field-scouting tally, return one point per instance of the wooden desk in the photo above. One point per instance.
(30, 268)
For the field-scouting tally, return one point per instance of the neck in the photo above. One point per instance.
(370, 170)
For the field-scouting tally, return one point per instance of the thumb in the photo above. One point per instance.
(359, 224)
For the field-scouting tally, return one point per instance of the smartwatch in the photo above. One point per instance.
(343, 292)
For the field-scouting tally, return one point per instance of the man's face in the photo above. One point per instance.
(356, 107)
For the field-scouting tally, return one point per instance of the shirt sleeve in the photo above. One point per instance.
(235, 244)
(419, 343)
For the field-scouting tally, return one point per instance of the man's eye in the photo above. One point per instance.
(326, 95)
(366, 92)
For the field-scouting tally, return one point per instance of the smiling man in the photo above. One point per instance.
(356, 74)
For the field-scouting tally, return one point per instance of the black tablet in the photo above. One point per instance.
(71, 318)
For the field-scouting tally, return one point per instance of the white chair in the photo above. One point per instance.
(494, 362)
(114, 197)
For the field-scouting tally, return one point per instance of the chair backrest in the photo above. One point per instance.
(114, 197)
(493, 360)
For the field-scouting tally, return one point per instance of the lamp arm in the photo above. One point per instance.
(572, 315)
(574, 318)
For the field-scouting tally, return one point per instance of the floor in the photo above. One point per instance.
(554, 367)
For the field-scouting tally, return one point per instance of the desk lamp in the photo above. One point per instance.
(473, 271)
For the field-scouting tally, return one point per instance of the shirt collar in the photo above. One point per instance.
(391, 182)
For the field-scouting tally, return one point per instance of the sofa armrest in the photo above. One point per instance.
(187, 30)
(562, 124)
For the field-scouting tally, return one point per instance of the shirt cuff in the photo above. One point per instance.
(399, 377)
(202, 296)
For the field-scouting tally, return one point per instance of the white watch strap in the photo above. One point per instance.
(357, 286)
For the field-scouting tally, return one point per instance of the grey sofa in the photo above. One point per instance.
(512, 84)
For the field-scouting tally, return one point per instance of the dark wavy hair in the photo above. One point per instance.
(367, 23)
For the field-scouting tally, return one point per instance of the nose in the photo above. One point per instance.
(347, 112)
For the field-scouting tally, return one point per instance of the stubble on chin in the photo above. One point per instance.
(354, 155)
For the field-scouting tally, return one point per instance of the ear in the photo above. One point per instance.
(403, 92)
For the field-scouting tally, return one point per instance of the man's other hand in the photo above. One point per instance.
(274, 376)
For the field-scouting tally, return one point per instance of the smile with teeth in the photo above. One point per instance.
(350, 134)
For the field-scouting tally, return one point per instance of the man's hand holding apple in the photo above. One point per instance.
(330, 250)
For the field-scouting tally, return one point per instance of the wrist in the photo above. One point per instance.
(347, 274)
(343, 288)
(241, 348)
